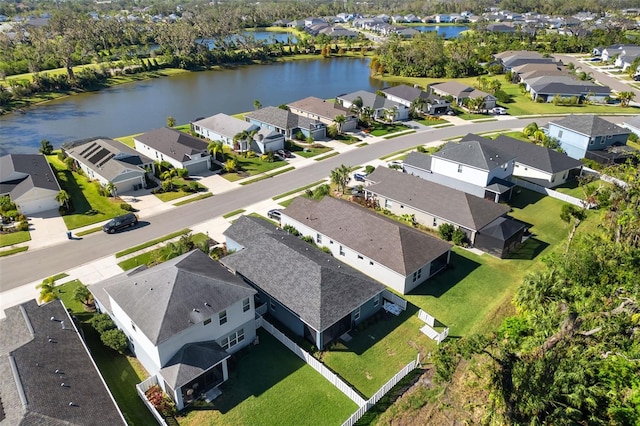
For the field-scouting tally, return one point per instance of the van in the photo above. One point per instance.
(120, 222)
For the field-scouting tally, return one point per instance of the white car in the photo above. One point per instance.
(499, 111)
(395, 164)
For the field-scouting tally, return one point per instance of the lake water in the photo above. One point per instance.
(144, 106)
(447, 31)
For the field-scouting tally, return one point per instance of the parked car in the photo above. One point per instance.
(499, 111)
(120, 222)
(395, 164)
(274, 214)
(278, 157)
(357, 191)
(360, 176)
(595, 59)
(287, 153)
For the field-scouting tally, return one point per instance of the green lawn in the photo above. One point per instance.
(14, 238)
(128, 140)
(178, 193)
(380, 129)
(121, 373)
(89, 206)
(250, 166)
(433, 121)
(313, 149)
(147, 257)
(269, 385)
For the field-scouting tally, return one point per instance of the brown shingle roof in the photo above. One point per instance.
(320, 107)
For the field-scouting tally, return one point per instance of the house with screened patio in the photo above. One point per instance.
(183, 319)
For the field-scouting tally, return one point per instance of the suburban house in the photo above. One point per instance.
(524, 72)
(106, 160)
(485, 223)
(48, 375)
(460, 92)
(29, 182)
(225, 128)
(399, 256)
(310, 292)
(469, 166)
(614, 50)
(181, 150)
(535, 163)
(548, 87)
(381, 107)
(325, 112)
(424, 102)
(626, 57)
(286, 123)
(183, 318)
(581, 134)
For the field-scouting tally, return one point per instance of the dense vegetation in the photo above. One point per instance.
(571, 354)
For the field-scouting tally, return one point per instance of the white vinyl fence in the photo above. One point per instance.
(551, 193)
(314, 363)
(381, 392)
(395, 299)
(141, 388)
(428, 329)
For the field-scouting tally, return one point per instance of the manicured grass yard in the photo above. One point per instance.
(14, 238)
(121, 373)
(250, 166)
(179, 193)
(380, 129)
(314, 149)
(145, 258)
(269, 385)
(89, 206)
(432, 121)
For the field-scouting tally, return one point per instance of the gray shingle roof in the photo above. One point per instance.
(577, 88)
(325, 109)
(530, 154)
(475, 154)
(418, 160)
(24, 339)
(406, 92)
(633, 121)
(590, 125)
(35, 166)
(173, 143)
(398, 247)
(454, 206)
(161, 300)
(191, 361)
(460, 91)
(224, 124)
(502, 228)
(318, 288)
(281, 118)
(371, 100)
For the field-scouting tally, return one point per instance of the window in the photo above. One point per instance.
(233, 339)
(272, 305)
(435, 222)
(559, 133)
(222, 316)
(330, 241)
(318, 238)
(387, 204)
(133, 326)
(401, 206)
(602, 140)
(417, 274)
(609, 136)
(459, 168)
(360, 257)
(371, 262)
(591, 142)
(246, 305)
(376, 301)
(341, 251)
(356, 314)
(207, 321)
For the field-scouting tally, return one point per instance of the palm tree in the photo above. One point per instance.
(63, 198)
(83, 295)
(530, 129)
(257, 104)
(47, 290)
(214, 148)
(625, 98)
(417, 106)
(539, 136)
(356, 105)
(111, 189)
(340, 177)
(245, 136)
(340, 120)
(168, 176)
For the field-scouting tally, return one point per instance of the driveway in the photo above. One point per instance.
(46, 229)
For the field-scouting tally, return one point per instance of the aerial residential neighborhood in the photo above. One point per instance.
(465, 229)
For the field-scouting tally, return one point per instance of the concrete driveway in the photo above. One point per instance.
(46, 229)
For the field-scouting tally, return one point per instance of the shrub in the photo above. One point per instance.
(633, 137)
(23, 226)
(115, 339)
(126, 206)
(325, 249)
(161, 401)
(445, 231)
(12, 214)
(291, 230)
(421, 149)
(102, 323)
(369, 169)
(459, 237)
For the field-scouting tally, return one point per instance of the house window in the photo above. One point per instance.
(360, 257)
(133, 326)
(459, 168)
(602, 140)
(246, 305)
(559, 133)
(591, 142)
(272, 305)
(233, 339)
(376, 302)
(356, 314)
(387, 204)
(401, 206)
(330, 241)
(435, 222)
(318, 238)
(341, 251)
(207, 321)
(417, 274)
(222, 316)
(609, 136)
(371, 262)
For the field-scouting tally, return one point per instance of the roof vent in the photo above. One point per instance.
(50, 340)
(62, 385)
(53, 318)
(62, 324)
(195, 310)
(71, 404)
(58, 371)
(151, 288)
(207, 304)
(135, 283)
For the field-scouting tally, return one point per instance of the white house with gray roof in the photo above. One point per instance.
(381, 107)
(535, 163)
(106, 160)
(225, 128)
(468, 166)
(287, 123)
(397, 255)
(312, 293)
(427, 103)
(459, 92)
(181, 150)
(183, 319)
(325, 112)
(580, 134)
(29, 182)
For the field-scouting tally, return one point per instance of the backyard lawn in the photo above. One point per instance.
(121, 373)
(89, 206)
(269, 385)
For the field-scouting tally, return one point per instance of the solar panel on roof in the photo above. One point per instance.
(88, 148)
(109, 157)
(98, 156)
